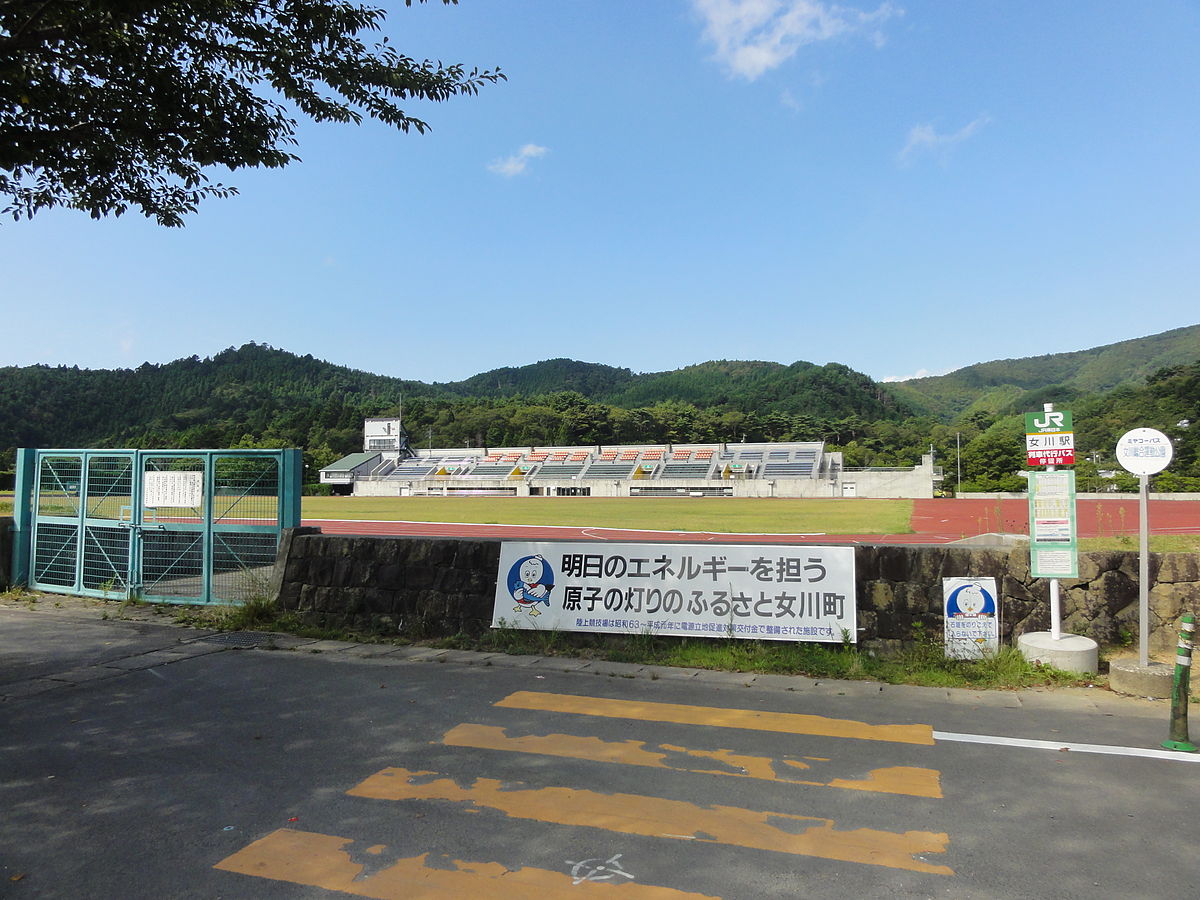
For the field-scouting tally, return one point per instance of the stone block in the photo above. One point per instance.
(880, 595)
(893, 563)
(1126, 676)
(1018, 566)
(1167, 603)
(1177, 568)
(295, 569)
(321, 570)
(1012, 587)
(390, 576)
(289, 595)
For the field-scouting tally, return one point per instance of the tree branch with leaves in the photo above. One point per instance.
(111, 105)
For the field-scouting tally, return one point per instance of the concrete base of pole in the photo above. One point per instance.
(1126, 676)
(1071, 652)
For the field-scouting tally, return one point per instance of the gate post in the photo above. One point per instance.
(22, 544)
(291, 486)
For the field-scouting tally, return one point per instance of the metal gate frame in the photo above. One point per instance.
(91, 522)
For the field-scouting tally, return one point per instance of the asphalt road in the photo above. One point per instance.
(146, 761)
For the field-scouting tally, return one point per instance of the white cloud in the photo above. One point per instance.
(920, 373)
(754, 36)
(511, 166)
(925, 139)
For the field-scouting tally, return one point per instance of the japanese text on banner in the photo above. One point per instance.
(766, 592)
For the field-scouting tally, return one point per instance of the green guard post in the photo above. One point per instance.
(1180, 689)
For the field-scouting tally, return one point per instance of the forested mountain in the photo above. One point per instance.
(1008, 384)
(236, 396)
(753, 386)
(589, 379)
(256, 395)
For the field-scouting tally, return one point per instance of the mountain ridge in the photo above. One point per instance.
(1005, 384)
(257, 395)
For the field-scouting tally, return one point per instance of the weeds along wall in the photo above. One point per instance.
(437, 587)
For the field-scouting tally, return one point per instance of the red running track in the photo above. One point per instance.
(933, 522)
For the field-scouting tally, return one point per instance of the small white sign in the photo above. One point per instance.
(1144, 451)
(181, 490)
(972, 617)
(1054, 564)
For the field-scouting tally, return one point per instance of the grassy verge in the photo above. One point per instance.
(921, 664)
(260, 614)
(1159, 543)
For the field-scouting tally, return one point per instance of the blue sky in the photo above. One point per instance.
(904, 188)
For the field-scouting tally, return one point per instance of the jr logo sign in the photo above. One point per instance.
(1049, 440)
(1047, 422)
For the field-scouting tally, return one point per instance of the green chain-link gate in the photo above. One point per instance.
(173, 526)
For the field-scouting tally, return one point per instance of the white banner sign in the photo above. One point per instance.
(972, 617)
(781, 593)
(174, 489)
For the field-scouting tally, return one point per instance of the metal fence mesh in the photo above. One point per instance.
(106, 559)
(55, 554)
(109, 487)
(59, 478)
(242, 564)
(173, 563)
(246, 490)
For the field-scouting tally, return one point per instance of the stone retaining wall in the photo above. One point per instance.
(429, 587)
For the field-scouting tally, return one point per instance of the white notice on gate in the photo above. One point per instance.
(764, 592)
(175, 489)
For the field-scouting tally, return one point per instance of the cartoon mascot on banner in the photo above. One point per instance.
(530, 581)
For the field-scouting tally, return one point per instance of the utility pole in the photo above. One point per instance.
(958, 460)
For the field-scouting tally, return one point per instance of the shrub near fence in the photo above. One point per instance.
(437, 587)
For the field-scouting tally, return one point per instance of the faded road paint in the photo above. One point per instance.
(785, 723)
(908, 780)
(326, 861)
(659, 817)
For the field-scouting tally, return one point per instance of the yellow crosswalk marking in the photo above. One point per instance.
(786, 723)
(322, 860)
(916, 782)
(658, 817)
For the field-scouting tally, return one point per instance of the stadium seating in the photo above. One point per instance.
(654, 469)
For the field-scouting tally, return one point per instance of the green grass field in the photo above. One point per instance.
(729, 515)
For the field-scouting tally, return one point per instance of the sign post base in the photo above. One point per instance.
(1071, 652)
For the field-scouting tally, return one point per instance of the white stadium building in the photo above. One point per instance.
(388, 467)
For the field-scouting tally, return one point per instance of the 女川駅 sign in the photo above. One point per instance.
(784, 593)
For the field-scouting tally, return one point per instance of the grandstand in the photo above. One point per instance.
(780, 469)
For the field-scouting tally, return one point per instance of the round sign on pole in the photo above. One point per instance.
(1144, 451)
